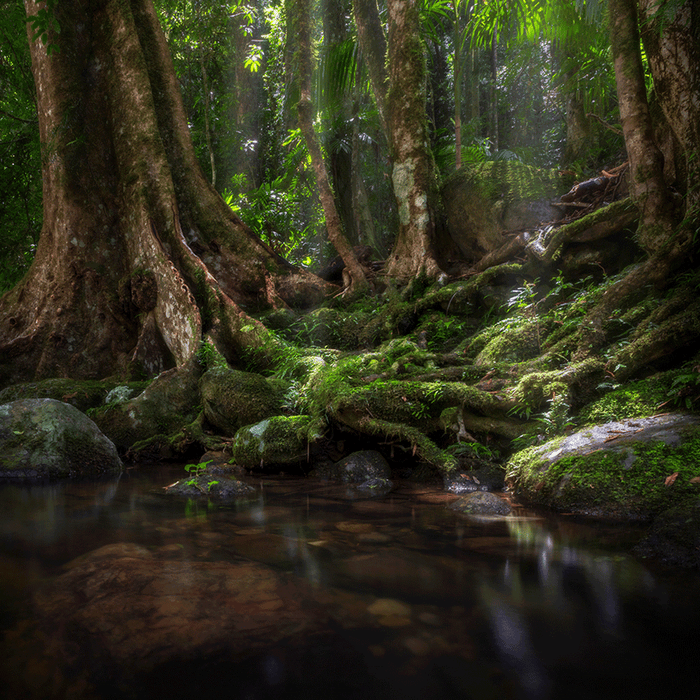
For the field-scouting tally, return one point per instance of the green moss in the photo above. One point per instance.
(84, 394)
(631, 400)
(629, 481)
(275, 440)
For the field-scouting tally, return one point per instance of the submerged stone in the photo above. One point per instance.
(139, 612)
(44, 438)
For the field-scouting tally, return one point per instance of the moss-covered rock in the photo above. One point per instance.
(274, 441)
(630, 469)
(232, 398)
(635, 399)
(44, 438)
(212, 483)
(514, 344)
(170, 402)
(81, 393)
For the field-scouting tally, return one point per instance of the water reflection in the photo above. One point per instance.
(306, 590)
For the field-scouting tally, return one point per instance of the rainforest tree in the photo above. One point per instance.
(139, 255)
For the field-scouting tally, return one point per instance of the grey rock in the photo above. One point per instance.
(360, 466)
(45, 438)
(481, 503)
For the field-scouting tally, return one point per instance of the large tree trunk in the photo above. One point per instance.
(667, 239)
(414, 174)
(138, 255)
(672, 41)
(648, 187)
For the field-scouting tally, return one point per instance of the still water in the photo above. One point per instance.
(112, 589)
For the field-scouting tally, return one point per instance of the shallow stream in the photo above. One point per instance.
(112, 589)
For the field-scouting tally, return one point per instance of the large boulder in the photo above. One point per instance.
(45, 438)
(484, 200)
(232, 398)
(629, 469)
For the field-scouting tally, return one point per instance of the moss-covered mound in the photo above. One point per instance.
(232, 398)
(630, 469)
(274, 441)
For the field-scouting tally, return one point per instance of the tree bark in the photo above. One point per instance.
(648, 187)
(138, 255)
(672, 44)
(414, 174)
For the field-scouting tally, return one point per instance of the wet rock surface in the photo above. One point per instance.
(475, 475)
(631, 469)
(481, 503)
(212, 483)
(45, 438)
(366, 473)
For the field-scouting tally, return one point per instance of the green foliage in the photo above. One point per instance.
(685, 387)
(20, 159)
(473, 450)
(284, 211)
(43, 22)
(208, 356)
(196, 471)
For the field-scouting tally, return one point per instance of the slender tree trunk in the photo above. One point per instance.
(372, 41)
(339, 105)
(648, 187)
(493, 92)
(138, 255)
(457, 60)
(414, 175)
(305, 109)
